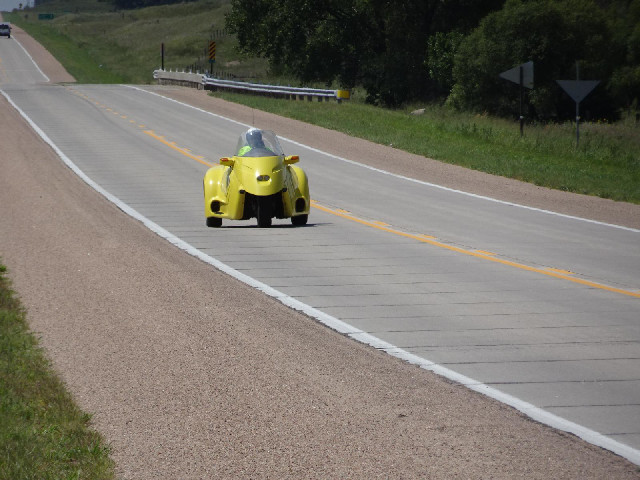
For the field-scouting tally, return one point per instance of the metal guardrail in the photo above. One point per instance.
(292, 93)
(207, 82)
(186, 79)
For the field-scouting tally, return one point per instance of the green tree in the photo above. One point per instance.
(379, 44)
(624, 85)
(395, 70)
(554, 34)
(403, 65)
(314, 41)
(441, 49)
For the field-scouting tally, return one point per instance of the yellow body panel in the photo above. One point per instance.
(227, 187)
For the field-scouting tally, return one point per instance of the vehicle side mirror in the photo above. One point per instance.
(291, 159)
(227, 161)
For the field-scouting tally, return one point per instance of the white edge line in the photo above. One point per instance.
(402, 177)
(32, 60)
(344, 328)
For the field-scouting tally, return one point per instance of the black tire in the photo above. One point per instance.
(214, 222)
(300, 220)
(264, 211)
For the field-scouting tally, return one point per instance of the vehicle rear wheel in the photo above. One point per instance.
(214, 222)
(264, 211)
(300, 219)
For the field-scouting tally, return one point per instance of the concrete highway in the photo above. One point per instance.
(539, 310)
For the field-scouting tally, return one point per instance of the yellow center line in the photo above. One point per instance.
(185, 151)
(558, 270)
(431, 240)
(556, 273)
(173, 145)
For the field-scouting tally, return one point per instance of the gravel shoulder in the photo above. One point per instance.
(191, 374)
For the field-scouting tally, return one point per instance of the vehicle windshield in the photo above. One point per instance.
(258, 143)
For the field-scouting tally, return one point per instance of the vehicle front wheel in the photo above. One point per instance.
(264, 212)
(300, 220)
(214, 222)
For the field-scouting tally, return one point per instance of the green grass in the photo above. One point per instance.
(127, 49)
(81, 61)
(606, 164)
(43, 434)
(97, 45)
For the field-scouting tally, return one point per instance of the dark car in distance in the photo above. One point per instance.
(5, 30)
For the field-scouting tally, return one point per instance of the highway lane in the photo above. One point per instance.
(16, 65)
(540, 306)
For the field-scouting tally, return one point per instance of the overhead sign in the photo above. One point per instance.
(578, 89)
(514, 75)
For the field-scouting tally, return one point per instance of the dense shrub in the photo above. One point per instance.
(410, 50)
(555, 35)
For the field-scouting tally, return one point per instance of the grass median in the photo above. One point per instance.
(43, 434)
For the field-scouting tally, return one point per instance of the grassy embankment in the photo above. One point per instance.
(43, 434)
(99, 45)
(606, 164)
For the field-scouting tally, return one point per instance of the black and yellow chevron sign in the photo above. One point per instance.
(212, 51)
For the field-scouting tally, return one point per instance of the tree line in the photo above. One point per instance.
(452, 50)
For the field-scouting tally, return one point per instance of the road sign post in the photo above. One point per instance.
(578, 90)
(523, 76)
(521, 82)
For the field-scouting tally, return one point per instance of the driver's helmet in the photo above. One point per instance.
(258, 143)
(254, 138)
